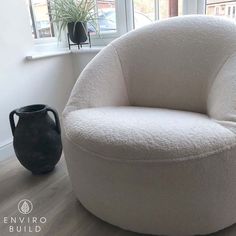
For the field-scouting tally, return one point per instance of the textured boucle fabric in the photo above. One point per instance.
(137, 133)
(100, 84)
(150, 129)
(176, 198)
(222, 99)
(175, 68)
(173, 65)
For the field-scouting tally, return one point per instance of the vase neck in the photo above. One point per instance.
(32, 111)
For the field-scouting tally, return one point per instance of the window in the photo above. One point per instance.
(144, 12)
(116, 17)
(170, 8)
(217, 11)
(106, 11)
(221, 8)
(41, 25)
(228, 10)
(111, 21)
(148, 11)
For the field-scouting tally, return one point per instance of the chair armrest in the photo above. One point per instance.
(221, 103)
(100, 84)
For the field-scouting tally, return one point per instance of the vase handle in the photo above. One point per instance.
(12, 122)
(56, 119)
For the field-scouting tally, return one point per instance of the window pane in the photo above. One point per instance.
(144, 12)
(40, 20)
(221, 8)
(170, 8)
(147, 11)
(106, 16)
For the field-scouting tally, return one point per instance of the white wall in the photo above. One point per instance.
(24, 82)
(81, 58)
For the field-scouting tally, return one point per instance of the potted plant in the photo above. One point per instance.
(73, 15)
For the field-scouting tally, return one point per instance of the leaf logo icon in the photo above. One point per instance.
(25, 206)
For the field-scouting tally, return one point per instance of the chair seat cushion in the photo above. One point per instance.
(147, 134)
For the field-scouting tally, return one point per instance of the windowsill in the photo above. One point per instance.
(86, 50)
(60, 52)
(45, 54)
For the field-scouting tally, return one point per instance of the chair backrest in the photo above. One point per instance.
(173, 63)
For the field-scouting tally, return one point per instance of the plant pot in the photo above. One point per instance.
(37, 138)
(77, 32)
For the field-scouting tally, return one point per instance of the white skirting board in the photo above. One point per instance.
(6, 150)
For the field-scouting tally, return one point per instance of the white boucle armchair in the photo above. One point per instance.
(150, 129)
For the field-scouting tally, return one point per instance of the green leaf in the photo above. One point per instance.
(65, 11)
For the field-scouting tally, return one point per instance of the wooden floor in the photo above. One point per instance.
(52, 197)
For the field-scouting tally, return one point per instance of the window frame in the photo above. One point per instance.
(41, 41)
(125, 17)
(125, 22)
(121, 26)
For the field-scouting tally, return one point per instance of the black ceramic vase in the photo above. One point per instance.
(36, 138)
(77, 32)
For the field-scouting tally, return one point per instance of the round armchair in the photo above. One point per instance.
(150, 132)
